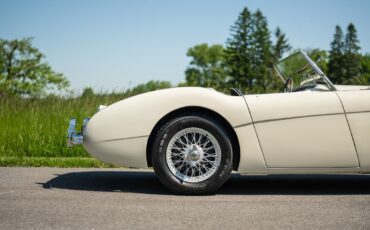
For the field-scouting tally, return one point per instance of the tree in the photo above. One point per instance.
(23, 71)
(260, 52)
(87, 92)
(250, 54)
(352, 56)
(238, 51)
(206, 66)
(364, 78)
(336, 68)
(320, 57)
(345, 61)
(351, 45)
(281, 45)
(278, 49)
(147, 87)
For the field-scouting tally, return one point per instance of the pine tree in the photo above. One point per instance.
(352, 56)
(278, 49)
(260, 52)
(336, 68)
(281, 45)
(248, 53)
(352, 43)
(238, 47)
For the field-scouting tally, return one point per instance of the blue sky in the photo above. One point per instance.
(112, 45)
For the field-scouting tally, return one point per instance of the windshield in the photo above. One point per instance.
(302, 70)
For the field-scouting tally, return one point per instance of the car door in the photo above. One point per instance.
(305, 129)
(356, 104)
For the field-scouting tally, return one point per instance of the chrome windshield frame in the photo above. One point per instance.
(312, 64)
(319, 71)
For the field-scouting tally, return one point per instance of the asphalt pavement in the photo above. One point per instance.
(53, 198)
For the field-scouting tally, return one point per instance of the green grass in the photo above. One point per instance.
(38, 127)
(62, 162)
(33, 130)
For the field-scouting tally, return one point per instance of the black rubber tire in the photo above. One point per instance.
(168, 179)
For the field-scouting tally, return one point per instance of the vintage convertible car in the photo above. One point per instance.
(194, 137)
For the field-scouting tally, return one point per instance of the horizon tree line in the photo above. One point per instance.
(244, 61)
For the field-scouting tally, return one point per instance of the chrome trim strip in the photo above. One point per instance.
(242, 125)
(287, 118)
(123, 138)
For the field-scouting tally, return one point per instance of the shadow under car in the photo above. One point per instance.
(147, 182)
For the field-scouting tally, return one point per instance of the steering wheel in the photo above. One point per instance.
(288, 86)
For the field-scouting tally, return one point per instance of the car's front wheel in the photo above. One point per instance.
(192, 155)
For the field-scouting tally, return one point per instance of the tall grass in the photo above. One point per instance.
(37, 127)
(33, 128)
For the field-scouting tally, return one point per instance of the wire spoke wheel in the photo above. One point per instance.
(193, 155)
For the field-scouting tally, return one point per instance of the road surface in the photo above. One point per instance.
(52, 198)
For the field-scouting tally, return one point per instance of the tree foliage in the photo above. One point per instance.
(238, 52)
(23, 71)
(352, 56)
(261, 52)
(249, 53)
(246, 62)
(281, 45)
(207, 68)
(364, 78)
(336, 69)
(147, 87)
(345, 64)
(320, 57)
(87, 92)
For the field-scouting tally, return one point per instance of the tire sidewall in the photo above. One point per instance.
(164, 173)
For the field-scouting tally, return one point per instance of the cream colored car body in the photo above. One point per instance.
(314, 131)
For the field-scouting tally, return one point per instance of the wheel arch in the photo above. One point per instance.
(200, 111)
